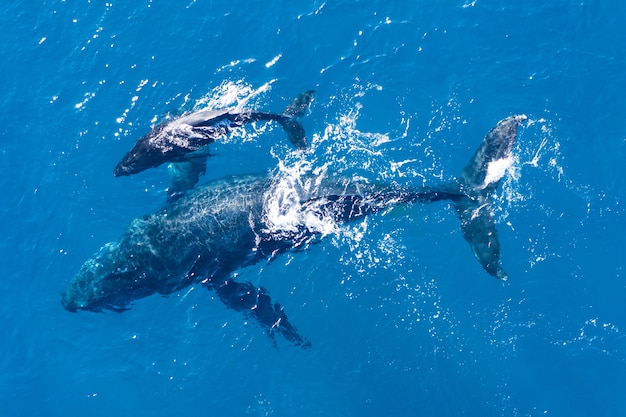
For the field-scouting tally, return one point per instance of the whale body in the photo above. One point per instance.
(225, 225)
(185, 138)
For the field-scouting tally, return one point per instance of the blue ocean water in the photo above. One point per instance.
(402, 319)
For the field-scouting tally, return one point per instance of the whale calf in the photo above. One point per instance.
(225, 225)
(186, 137)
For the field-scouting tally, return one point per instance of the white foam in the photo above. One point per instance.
(273, 61)
(283, 210)
(497, 169)
(236, 94)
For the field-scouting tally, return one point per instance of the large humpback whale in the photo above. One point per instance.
(224, 225)
(185, 137)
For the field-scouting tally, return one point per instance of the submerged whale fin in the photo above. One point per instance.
(184, 176)
(477, 181)
(292, 113)
(256, 303)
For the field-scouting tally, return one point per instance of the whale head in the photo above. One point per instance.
(109, 280)
(159, 146)
(138, 159)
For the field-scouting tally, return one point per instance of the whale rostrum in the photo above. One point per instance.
(225, 225)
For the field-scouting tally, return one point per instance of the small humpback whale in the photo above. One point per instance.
(185, 138)
(225, 225)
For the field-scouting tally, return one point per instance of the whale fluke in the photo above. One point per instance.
(477, 181)
(485, 169)
(293, 112)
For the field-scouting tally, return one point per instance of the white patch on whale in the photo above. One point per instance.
(497, 169)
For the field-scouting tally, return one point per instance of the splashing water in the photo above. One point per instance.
(239, 96)
(292, 185)
(538, 148)
(234, 94)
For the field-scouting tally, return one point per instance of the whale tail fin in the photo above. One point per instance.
(477, 182)
(291, 119)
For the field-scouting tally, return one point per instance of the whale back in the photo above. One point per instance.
(175, 246)
(205, 117)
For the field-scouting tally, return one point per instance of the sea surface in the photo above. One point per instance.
(401, 317)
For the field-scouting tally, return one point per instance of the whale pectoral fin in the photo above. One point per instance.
(479, 230)
(184, 176)
(256, 303)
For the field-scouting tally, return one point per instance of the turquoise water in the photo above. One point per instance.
(402, 319)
